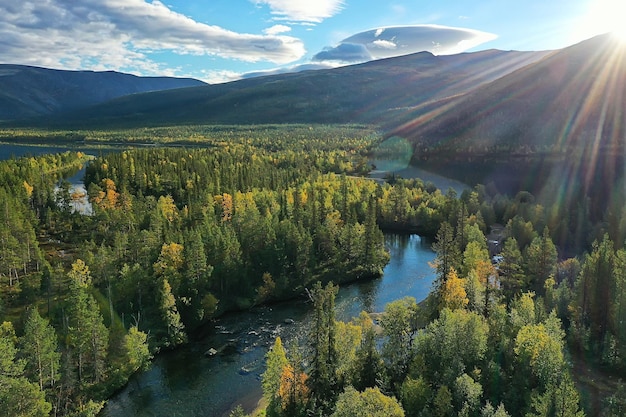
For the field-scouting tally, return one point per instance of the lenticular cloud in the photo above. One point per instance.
(403, 40)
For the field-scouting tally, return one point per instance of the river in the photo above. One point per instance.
(184, 382)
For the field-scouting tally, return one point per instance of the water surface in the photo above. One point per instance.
(186, 383)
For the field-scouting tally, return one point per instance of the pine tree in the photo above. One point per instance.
(18, 396)
(510, 269)
(447, 256)
(171, 318)
(87, 335)
(323, 380)
(39, 348)
(541, 259)
(276, 362)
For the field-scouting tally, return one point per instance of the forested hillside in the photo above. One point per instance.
(378, 92)
(27, 92)
(180, 235)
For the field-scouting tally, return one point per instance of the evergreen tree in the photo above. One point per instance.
(18, 396)
(368, 365)
(323, 377)
(276, 362)
(175, 328)
(447, 256)
(541, 260)
(510, 269)
(87, 335)
(39, 348)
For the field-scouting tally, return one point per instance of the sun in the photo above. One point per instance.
(606, 16)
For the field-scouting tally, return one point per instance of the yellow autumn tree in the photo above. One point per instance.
(453, 295)
(29, 189)
(167, 208)
(293, 390)
(107, 198)
(225, 202)
(170, 259)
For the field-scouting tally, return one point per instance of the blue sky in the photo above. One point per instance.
(222, 40)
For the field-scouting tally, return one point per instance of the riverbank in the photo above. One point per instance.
(212, 386)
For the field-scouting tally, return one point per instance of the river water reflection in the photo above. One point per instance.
(186, 383)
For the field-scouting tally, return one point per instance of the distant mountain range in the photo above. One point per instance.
(485, 101)
(374, 93)
(27, 92)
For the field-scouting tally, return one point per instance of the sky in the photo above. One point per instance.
(224, 40)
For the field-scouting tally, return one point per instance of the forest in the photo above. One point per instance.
(230, 218)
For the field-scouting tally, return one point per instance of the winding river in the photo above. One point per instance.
(185, 382)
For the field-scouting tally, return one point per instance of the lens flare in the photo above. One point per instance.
(606, 16)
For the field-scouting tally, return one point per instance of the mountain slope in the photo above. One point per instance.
(364, 93)
(31, 91)
(572, 99)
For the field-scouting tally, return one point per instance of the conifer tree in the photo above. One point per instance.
(18, 396)
(323, 378)
(39, 348)
(171, 318)
(87, 335)
(276, 362)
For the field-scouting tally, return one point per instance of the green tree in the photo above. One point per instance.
(450, 346)
(369, 403)
(541, 260)
(399, 323)
(175, 329)
(489, 411)
(39, 348)
(596, 288)
(510, 269)
(9, 366)
(136, 351)
(276, 361)
(467, 394)
(347, 342)
(559, 400)
(324, 358)
(368, 365)
(539, 350)
(442, 403)
(416, 395)
(447, 252)
(615, 405)
(87, 335)
(18, 396)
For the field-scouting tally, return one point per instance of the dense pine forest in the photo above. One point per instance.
(226, 218)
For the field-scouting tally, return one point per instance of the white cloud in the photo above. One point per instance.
(276, 29)
(384, 44)
(403, 40)
(310, 11)
(118, 34)
(285, 70)
(219, 76)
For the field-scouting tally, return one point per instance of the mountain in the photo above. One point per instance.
(572, 99)
(372, 93)
(27, 91)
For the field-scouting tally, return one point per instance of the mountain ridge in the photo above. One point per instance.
(362, 93)
(29, 91)
(563, 102)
